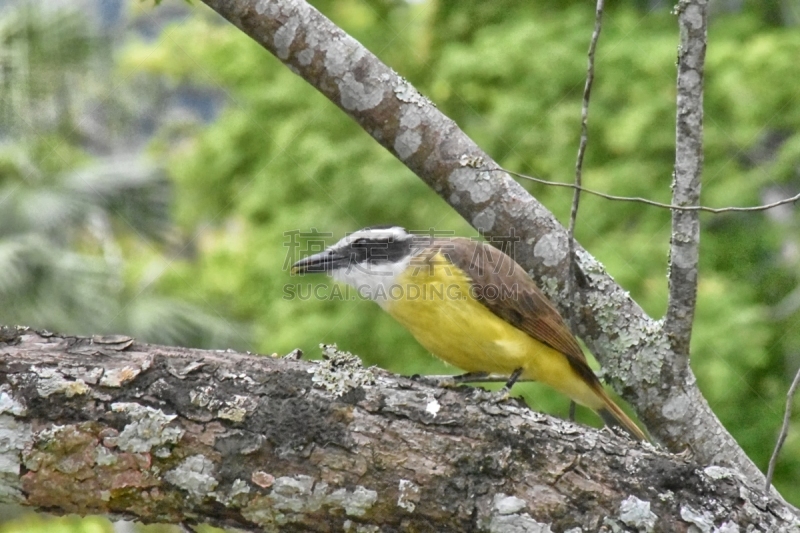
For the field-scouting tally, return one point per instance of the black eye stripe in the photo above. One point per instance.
(363, 240)
(382, 249)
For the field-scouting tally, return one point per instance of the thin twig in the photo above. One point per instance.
(787, 414)
(636, 199)
(576, 197)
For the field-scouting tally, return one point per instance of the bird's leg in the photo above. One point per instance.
(473, 377)
(572, 405)
(469, 377)
(476, 377)
(511, 380)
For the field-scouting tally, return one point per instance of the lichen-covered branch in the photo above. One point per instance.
(685, 239)
(632, 347)
(106, 425)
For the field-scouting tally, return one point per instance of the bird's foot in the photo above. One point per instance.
(504, 394)
(501, 396)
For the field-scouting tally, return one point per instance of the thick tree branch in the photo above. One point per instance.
(106, 425)
(685, 242)
(635, 352)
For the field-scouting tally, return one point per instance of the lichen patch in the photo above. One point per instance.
(117, 377)
(149, 428)
(339, 372)
(293, 497)
(51, 381)
(195, 475)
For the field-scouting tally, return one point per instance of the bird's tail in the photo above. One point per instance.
(612, 415)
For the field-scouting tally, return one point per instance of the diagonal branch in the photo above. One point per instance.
(635, 353)
(685, 240)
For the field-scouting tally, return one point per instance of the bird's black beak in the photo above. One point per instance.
(322, 262)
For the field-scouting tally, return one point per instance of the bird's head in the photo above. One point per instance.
(369, 251)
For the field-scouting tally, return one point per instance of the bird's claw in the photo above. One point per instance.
(502, 396)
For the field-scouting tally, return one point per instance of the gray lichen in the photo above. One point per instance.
(517, 523)
(14, 437)
(551, 249)
(636, 513)
(8, 404)
(508, 504)
(717, 473)
(284, 37)
(294, 496)
(52, 381)
(195, 475)
(484, 221)
(480, 187)
(409, 495)
(293, 493)
(339, 372)
(103, 456)
(506, 517)
(354, 94)
(409, 139)
(356, 502)
(703, 520)
(239, 487)
(406, 93)
(148, 428)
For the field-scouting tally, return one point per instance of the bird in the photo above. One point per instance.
(472, 306)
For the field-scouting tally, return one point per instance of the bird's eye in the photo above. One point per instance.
(360, 240)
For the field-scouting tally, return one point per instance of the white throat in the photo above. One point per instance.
(375, 282)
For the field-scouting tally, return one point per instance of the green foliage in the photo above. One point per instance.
(74, 228)
(71, 524)
(33, 523)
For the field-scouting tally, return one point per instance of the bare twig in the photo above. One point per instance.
(685, 234)
(787, 414)
(636, 199)
(576, 197)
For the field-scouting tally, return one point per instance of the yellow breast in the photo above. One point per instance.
(433, 301)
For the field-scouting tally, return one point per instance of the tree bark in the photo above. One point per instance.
(635, 350)
(684, 251)
(160, 434)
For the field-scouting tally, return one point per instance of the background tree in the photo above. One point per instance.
(77, 198)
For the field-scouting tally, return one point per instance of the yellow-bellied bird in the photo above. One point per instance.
(471, 305)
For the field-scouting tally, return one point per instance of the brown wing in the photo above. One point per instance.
(505, 288)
